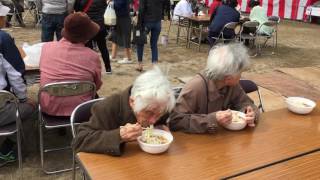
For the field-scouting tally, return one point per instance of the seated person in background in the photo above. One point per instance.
(259, 14)
(224, 14)
(69, 60)
(205, 101)
(11, 79)
(183, 8)
(214, 5)
(120, 117)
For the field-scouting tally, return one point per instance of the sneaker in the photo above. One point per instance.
(125, 61)
(112, 59)
(7, 158)
(108, 71)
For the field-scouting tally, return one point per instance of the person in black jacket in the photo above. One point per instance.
(95, 11)
(150, 15)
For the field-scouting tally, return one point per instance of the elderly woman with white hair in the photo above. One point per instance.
(120, 117)
(205, 101)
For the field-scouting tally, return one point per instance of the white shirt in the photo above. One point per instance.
(15, 78)
(183, 8)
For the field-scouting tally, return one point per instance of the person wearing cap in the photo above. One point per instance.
(69, 60)
(205, 102)
(12, 69)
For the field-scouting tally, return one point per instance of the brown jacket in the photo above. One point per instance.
(196, 113)
(101, 134)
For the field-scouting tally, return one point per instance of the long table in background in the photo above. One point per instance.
(32, 75)
(280, 136)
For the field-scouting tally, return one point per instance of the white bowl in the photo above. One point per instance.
(237, 124)
(156, 148)
(300, 105)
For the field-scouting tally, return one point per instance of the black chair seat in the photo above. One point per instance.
(248, 86)
(55, 121)
(8, 129)
(247, 36)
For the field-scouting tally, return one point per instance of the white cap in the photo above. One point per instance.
(4, 10)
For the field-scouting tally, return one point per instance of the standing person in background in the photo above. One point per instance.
(166, 9)
(121, 36)
(95, 10)
(54, 12)
(150, 14)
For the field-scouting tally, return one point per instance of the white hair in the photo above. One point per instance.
(152, 87)
(226, 60)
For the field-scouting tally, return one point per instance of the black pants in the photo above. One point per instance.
(166, 9)
(100, 39)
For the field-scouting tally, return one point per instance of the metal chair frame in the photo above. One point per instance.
(250, 37)
(15, 12)
(249, 86)
(183, 23)
(74, 120)
(230, 25)
(60, 89)
(32, 8)
(5, 97)
(274, 35)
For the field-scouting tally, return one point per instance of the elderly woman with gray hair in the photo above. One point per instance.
(205, 101)
(120, 118)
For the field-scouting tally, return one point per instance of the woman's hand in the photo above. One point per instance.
(130, 132)
(224, 117)
(250, 116)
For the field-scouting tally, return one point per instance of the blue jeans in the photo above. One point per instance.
(155, 28)
(51, 24)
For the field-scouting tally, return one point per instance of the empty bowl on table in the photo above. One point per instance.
(238, 121)
(156, 148)
(300, 105)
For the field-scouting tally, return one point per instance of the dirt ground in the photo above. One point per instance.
(298, 46)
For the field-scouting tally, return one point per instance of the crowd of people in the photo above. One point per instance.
(74, 27)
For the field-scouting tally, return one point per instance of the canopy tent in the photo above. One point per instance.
(288, 9)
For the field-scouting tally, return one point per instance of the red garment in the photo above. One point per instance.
(65, 61)
(136, 5)
(214, 6)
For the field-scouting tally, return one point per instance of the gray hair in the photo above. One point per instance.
(152, 86)
(226, 60)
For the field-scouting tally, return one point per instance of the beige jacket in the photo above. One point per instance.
(196, 113)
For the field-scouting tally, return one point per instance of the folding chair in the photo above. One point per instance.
(230, 26)
(266, 37)
(10, 129)
(277, 20)
(250, 36)
(60, 89)
(33, 8)
(15, 11)
(249, 86)
(80, 115)
(183, 24)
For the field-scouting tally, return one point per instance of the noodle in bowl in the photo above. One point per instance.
(160, 141)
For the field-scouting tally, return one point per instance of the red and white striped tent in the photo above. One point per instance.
(288, 9)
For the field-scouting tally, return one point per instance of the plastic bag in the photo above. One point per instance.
(110, 18)
(33, 54)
